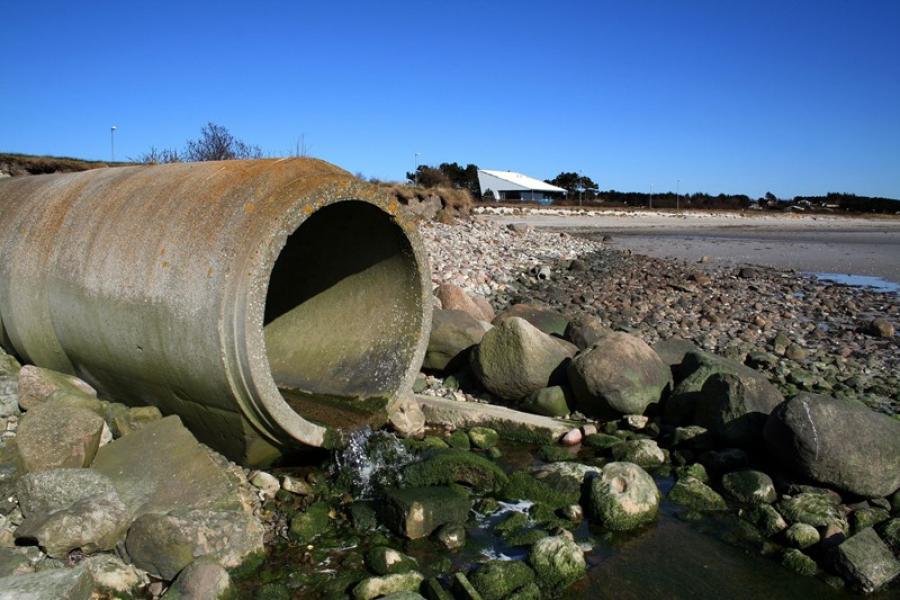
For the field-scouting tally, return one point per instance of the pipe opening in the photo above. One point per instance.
(342, 314)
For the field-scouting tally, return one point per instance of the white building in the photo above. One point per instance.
(509, 185)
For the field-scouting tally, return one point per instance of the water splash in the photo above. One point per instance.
(371, 460)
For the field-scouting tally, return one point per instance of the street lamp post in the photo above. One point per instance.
(112, 143)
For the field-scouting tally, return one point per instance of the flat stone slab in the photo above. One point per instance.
(162, 467)
(509, 423)
(59, 584)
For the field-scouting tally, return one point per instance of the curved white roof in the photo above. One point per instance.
(518, 181)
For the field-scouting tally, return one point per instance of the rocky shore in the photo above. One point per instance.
(762, 403)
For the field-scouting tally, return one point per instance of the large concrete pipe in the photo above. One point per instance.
(266, 302)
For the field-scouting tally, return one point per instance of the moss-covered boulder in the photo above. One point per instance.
(869, 516)
(385, 585)
(798, 562)
(442, 467)
(750, 487)
(416, 512)
(383, 560)
(515, 359)
(818, 510)
(554, 490)
(619, 375)
(529, 591)
(695, 470)
(452, 536)
(623, 496)
(309, 524)
(552, 401)
(497, 579)
(483, 438)
(602, 441)
(459, 439)
(768, 520)
(696, 495)
(557, 561)
(802, 536)
(644, 453)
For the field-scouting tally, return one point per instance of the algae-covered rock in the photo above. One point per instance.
(53, 434)
(696, 495)
(452, 536)
(643, 453)
(552, 401)
(459, 439)
(463, 588)
(768, 520)
(529, 591)
(570, 469)
(384, 585)
(554, 453)
(798, 562)
(515, 358)
(9, 366)
(415, 512)
(890, 533)
(441, 467)
(818, 510)
(603, 441)
(623, 497)
(310, 523)
(133, 419)
(483, 438)
(164, 544)
(867, 517)
(619, 375)
(837, 442)
(750, 487)
(383, 560)
(433, 590)
(553, 490)
(802, 536)
(557, 561)
(865, 561)
(496, 579)
(695, 470)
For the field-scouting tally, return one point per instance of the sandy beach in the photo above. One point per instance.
(807, 243)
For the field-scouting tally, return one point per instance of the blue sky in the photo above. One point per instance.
(734, 97)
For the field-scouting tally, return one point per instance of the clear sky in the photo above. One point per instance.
(725, 96)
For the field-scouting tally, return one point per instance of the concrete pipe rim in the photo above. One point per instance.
(274, 418)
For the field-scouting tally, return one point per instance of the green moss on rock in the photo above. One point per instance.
(557, 561)
(799, 563)
(483, 438)
(496, 579)
(696, 495)
(311, 523)
(441, 467)
(555, 491)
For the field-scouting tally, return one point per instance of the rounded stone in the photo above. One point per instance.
(623, 496)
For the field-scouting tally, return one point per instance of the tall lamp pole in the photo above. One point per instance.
(112, 143)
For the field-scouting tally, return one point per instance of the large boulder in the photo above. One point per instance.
(203, 579)
(164, 544)
(750, 487)
(515, 358)
(55, 434)
(497, 579)
(731, 410)
(550, 401)
(443, 467)
(37, 385)
(453, 332)
(416, 512)
(453, 297)
(623, 496)
(839, 443)
(620, 375)
(673, 352)
(55, 584)
(161, 467)
(585, 331)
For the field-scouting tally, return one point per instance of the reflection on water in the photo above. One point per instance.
(879, 284)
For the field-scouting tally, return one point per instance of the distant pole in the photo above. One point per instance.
(651, 195)
(677, 194)
(112, 144)
(416, 171)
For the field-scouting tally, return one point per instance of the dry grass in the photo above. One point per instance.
(26, 164)
(454, 203)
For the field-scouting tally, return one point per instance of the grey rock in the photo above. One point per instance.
(620, 375)
(643, 453)
(453, 333)
(203, 579)
(557, 561)
(585, 331)
(55, 584)
(9, 396)
(550, 401)
(546, 319)
(56, 489)
(112, 575)
(9, 366)
(54, 434)
(416, 512)
(838, 443)
(750, 487)
(165, 544)
(38, 385)
(384, 585)
(865, 561)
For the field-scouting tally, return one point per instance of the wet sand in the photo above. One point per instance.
(845, 245)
